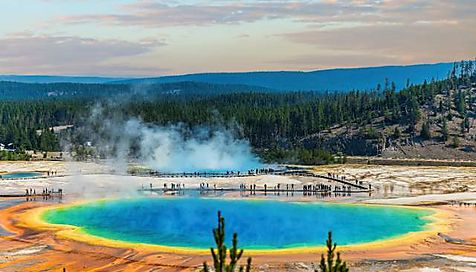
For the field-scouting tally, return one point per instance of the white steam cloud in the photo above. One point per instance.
(169, 149)
(172, 148)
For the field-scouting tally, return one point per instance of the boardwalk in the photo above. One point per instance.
(49, 194)
(260, 190)
(344, 185)
(302, 173)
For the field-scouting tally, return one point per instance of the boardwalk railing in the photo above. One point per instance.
(302, 173)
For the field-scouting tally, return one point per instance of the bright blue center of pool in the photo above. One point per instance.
(20, 175)
(260, 224)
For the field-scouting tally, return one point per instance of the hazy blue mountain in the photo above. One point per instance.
(57, 79)
(344, 79)
(320, 80)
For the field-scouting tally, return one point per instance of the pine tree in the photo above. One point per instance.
(330, 265)
(396, 133)
(219, 255)
(455, 143)
(460, 102)
(465, 125)
(425, 131)
(444, 130)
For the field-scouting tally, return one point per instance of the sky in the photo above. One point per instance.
(154, 37)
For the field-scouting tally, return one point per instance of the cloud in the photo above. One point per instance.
(396, 31)
(176, 13)
(158, 14)
(244, 35)
(323, 60)
(419, 42)
(70, 55)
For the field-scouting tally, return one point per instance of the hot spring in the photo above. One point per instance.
(260, 224)
(19, 175)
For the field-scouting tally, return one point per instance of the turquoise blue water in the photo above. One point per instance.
(260, 224)
(20, 175)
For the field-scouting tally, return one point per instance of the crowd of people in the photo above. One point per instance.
(44, 192)
(343, 184)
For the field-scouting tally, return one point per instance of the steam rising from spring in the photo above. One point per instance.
(172, 148)
(169, 149)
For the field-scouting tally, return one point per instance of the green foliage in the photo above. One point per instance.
(456, 142)
(82, 153)
(277, 124)
(298, 155)
(397, 133)
(20, 120)
(465, 125)
(460, 102)
(16, 91)
(425, 131)
(371, 133)
(13, 156)
(220, 253)
(413, 109)
(329, 265)
(444, 130)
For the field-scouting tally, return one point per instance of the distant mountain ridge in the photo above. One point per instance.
(342, 79)
(58, 79)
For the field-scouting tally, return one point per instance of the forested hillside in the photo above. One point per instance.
(304, 127)
(344, 79)
(347, 79)
(29, 91)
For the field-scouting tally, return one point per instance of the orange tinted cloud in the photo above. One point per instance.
(227, 35)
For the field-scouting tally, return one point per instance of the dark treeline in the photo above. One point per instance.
(274, 123)
(28, 91)
(268, 120)
(27, 124)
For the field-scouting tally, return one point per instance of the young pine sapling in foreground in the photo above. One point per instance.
(329, 265)
(219, 254)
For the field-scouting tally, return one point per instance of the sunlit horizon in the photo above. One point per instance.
(142, 38)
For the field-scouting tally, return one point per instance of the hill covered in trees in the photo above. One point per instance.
(320, 80)
(30, 91)
(432, 119)
(345, 79)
